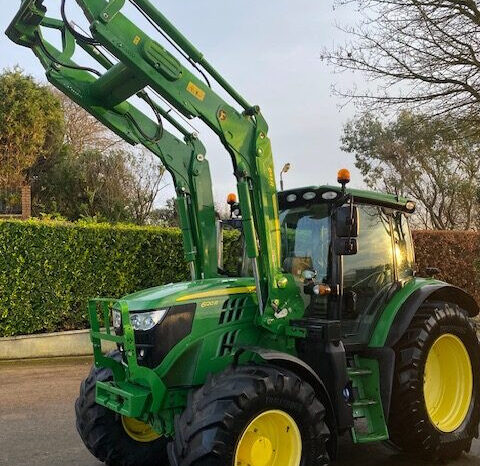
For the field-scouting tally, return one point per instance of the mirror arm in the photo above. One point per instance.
(342, 200)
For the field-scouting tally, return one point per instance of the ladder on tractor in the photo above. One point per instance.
(369, 417)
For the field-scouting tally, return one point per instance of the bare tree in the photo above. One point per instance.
(148, 179)
(421, 53)
(165, 216)
(431, 162)
(83, 132)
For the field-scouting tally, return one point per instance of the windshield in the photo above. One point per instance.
(305, 234)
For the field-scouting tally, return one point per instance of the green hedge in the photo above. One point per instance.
(455, 253)
(49, 270)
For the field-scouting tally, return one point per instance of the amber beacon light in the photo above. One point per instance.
(343, 176)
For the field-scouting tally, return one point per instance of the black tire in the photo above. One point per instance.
(217, 414)
(410, 426)
(102, 431)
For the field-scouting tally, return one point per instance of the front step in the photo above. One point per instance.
(370, 425)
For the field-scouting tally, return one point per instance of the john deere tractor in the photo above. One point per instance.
(324, 330)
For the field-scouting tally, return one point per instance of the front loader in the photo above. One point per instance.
(325, 330)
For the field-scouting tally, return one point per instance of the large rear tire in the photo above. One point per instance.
(112, 439)
(436, 398)
(252, 415)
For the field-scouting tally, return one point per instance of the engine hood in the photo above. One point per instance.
(187, 292)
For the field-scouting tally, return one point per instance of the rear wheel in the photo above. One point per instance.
(111, 438)
(252, 416)
(436, 402)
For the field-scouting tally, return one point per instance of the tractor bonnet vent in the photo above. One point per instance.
(232, 310)
(228, 343)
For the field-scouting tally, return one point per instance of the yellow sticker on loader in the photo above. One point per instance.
(196, 91)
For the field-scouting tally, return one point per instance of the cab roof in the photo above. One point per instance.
(360, 195)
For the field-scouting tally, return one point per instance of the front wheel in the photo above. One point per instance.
(436, 399)
(252, 416)
(111, 438)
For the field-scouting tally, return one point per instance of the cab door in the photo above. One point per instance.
(369, 275)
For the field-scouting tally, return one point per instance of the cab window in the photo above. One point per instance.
(368, 275)
(306, 235)
(404, 250)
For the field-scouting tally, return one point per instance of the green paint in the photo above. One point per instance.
(388, 315)
(366, 379)
(200, 350)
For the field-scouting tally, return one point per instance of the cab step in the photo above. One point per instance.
(370, 424)
(364, 403)
(354, 372)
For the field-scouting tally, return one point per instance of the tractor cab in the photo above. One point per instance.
(349, 251)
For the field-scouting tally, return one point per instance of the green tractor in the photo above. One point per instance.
(324, 329)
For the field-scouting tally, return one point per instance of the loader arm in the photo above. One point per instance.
(184, 159)
(144, 63)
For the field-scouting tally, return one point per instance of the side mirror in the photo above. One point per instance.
(346, 246)
(346, 221)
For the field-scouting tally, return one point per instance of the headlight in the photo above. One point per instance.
(144, 321)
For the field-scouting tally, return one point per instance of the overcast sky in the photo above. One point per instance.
(269, 51)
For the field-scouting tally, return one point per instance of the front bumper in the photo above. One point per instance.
(136, 391)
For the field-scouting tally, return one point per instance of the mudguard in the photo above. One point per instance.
(397, 317)
(432, 292)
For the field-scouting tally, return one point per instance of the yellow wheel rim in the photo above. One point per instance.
(138, 430)
(448, 385)
(271, 439)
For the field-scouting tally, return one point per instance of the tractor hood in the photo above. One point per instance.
(187, 292)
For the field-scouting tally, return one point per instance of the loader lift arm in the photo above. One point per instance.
(144, 63)
(185, 160)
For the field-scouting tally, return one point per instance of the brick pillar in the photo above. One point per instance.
(26, 202)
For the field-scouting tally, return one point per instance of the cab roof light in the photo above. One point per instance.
(343, 178)
(309, 195)
(329, 195)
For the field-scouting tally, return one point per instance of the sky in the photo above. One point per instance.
(269, 50)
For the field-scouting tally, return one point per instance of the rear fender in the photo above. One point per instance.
(434, 292)
(405, 302)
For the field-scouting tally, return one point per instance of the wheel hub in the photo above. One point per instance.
(138, 430)
(256, 448)
(271, 439)
(448, 384)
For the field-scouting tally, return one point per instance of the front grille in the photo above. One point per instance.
(153, 345)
